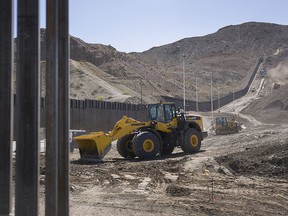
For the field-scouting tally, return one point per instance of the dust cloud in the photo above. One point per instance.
(280, 72)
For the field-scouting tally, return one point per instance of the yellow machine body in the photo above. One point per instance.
(96, 145)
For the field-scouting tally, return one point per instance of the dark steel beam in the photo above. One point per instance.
(27, 109)
(51, 207)
(6, 106)
(63, 108)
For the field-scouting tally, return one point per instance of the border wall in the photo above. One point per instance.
(94, 115)
(205, 106)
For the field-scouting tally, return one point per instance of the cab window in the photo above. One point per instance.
(153, 113)
(168, 113)
(160, 114)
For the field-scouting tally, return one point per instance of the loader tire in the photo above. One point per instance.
(192, 141)
(145, 145)
(124, 146)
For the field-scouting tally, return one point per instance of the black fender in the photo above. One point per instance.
(197, 127)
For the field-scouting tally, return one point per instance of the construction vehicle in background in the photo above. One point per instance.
(276, 85)
(263, 72)
(165, 129)
(223, 125)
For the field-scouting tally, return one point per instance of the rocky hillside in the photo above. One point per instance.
(230, 54)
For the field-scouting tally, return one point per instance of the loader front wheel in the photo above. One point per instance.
(192, 141)
(145, 145)
(124, 146)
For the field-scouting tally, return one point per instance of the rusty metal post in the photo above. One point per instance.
(51, 201)
(6, 106)
(63, 108)
(27, 109)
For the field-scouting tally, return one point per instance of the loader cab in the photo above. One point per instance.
(162, 112)
(222, 122)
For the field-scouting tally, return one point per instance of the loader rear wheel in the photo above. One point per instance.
(192, 141)
(124, 146)
(145, 145)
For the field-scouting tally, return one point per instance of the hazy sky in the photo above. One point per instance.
(138, 25)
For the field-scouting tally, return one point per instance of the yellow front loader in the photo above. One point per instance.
(165, 130)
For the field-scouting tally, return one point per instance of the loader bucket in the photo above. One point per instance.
(93, 146)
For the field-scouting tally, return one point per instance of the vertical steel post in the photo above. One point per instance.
(51, 189)
(27, 109)
(6, 106)
(63, 108)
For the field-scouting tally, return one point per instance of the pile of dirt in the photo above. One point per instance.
(270, 161)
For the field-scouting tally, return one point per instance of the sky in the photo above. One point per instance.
(138, 25)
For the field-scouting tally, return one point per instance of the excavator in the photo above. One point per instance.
(165, 129)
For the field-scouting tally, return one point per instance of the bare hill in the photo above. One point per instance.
(272, 108)
(272, 104)
(230, 54)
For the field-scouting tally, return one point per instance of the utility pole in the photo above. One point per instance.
(197, 109)
(211, 96)
(183, 67)
(141, 89)
(218, 97)
(233, 100)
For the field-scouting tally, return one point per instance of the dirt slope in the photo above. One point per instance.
(271, 106)
(247, 171)
(230, 54)
(238, 174)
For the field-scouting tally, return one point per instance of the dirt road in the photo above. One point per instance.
(240, 174)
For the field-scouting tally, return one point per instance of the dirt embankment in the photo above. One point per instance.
(272, 108)
(237, 174)
(268, 161)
